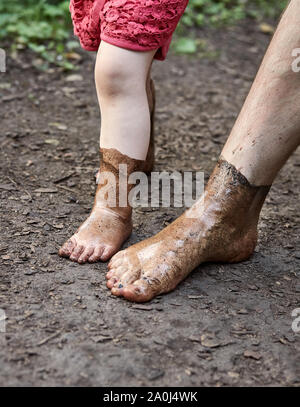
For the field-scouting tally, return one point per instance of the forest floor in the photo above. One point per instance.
(225, 324)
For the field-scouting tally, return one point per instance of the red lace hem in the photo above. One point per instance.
(140, 25)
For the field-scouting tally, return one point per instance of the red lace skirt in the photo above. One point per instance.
(139, 25)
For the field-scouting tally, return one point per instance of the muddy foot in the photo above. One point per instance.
(109, 223)
(98, 238)
(220, 227)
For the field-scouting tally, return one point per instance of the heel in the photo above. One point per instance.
(246, 247)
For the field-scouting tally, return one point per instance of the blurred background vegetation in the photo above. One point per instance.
(44, 26)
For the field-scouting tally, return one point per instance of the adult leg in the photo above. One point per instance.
(267, 130)
(222, 225)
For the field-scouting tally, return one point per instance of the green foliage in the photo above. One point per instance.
(44, 25)
(41, 25)
(220, 12)
(185, 45)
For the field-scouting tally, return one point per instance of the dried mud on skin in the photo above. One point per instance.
(225, 325)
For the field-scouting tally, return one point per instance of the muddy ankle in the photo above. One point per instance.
(109, 225)
(220, 227)
(113, 187)
(236, 206)
(236, 193)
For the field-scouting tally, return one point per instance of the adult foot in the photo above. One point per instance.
(220, 227)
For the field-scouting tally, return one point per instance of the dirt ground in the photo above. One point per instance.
(225, 325)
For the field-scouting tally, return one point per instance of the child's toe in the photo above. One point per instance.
(76, 252)
(108, 252)
(67, 248)
(85, 255)
(96, 254)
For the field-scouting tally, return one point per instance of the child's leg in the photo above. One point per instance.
(121, 81)
(121, 77)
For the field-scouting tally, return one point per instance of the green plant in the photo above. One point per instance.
(218, 12)
(221, 12)
(42, 26)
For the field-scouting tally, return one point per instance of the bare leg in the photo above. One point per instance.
(123, 85)
(222, 225)
(268, 128)
(121, 77)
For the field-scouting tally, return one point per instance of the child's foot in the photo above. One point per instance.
(106, 229)
(220, 227)
(109, 223)
(99, 237)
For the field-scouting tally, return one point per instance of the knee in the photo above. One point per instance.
(112, 80)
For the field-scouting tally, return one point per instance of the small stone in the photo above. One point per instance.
(233, 375)
(30, 272)
(209, 342)
(251, 354)
(155, 374)
(6, 257)
(243, 311)
(101, 338)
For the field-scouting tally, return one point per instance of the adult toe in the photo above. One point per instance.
(116, 259)
(139, 291)
(114, 275)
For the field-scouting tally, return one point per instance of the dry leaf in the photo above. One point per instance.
(74, 78)
(52, 141)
